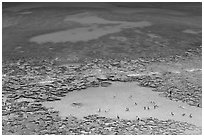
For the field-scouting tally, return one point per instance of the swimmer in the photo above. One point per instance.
(99, 110)
(127, 109)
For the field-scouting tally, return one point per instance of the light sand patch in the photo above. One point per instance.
(118, 38)
(153, 35)
(176, 71)
(90, 32)
(25, 13)
(87, 18)
(126, 100)
(9, 21)
(47, 80)
(83, 33)
(192, 31)
(18, 48)
(146, 11)
(91, 19)
(193, 69)
(25, 99)
(68, 57)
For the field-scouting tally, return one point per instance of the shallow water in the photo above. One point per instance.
(114, 100)
(91, 30)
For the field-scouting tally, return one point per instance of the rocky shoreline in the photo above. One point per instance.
(27, 83)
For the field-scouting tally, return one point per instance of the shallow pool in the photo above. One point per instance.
(127, 100)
